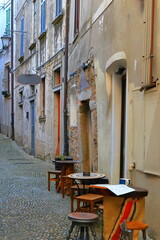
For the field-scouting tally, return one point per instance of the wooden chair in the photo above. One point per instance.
(89, 201)
(66, 184)
(77, 190)
(55, 177)
(127, 229)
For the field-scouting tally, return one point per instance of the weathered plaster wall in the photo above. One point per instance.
(120, 27)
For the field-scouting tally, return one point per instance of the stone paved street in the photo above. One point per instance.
(27, 210)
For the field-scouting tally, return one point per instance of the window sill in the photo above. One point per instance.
(42, 118)
(42, 35)
(32, 46)
(75, 36)
(21, 59)
(20, 103)
(58, 18)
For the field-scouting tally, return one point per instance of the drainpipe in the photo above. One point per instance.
(12, 76)
(65, 150)
(152, 43)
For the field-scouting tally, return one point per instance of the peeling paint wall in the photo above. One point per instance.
(42, 53)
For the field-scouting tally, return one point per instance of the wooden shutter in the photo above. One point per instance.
(8, 22)
(76, 20)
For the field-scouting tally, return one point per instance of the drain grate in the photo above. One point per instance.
(23, 163)
(19, 159)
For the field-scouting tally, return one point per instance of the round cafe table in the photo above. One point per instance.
(82, 178)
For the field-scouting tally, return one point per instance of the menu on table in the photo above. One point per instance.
(118, 189)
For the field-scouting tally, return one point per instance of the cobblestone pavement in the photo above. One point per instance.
(27, 210)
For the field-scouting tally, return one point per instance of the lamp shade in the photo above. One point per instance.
(5, 41)
(29, 79)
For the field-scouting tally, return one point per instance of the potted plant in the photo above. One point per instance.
(58, 166)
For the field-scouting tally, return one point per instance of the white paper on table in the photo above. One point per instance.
(118, 189)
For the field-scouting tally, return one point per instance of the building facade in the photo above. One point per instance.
(114, 82)
(40, 50)
(5, 70)
(111, 72)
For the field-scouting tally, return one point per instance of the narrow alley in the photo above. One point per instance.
(27, 210)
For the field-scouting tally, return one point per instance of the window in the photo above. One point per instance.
(42, 98)
(76, 16)
(22, 38)
(34, 20)
(43, 15)
(73, 106)
(58, 7)
(32, 90)
(6, 80)
(8, 21)
(57, 76)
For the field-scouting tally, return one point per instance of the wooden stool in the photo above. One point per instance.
(76, 191)
(55, 178)
(83, 221)
(127, 229)
(91, 199)
(66, 184)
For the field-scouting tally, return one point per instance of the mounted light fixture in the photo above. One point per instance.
(120, 71)
(5, 41)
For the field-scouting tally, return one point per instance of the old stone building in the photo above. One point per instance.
(40, 50)
(5, 70)
(109, 68)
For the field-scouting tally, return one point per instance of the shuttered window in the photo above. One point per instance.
(22, 38)
(58, 7)
(8, 21)
(43, 15)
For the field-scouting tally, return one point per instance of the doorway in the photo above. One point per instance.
(57, 122)
(86, 136)
(32, 128)
(119, 116)
(123, 125)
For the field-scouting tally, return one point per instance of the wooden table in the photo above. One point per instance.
(130, 206)
(67, 168)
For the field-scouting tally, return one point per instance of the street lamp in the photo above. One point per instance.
(5, 41)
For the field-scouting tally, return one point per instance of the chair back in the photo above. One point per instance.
(125, 233)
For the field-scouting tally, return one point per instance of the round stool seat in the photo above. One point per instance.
(83, 217)
(136, 225)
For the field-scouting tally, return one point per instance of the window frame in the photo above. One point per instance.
(58, 7)
(22, 38)
(43, 16)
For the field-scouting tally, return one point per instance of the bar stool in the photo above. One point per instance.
(55, 178)
(83, 222)
(127, 229)
(89, 200)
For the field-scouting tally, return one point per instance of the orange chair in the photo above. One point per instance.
(127, 229)
(55, 177)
